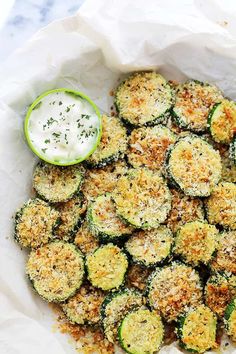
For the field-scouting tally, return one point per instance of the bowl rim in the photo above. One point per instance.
(34, 104)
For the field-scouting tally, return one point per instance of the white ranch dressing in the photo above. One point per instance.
(63, 127)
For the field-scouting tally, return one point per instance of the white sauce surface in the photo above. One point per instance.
(63, 127)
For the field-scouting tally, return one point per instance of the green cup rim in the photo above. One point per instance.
(27, 119)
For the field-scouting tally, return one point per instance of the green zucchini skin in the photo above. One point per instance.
(72, 214)
(230, 310)
(99, 260)
(181, 323)
(142, 184)
(219, 290)
(147, 241)
(84, 307)
(192, 231)
(172, 312)
(232, 150)
(35, 202)
(220, 206)
(47, 296)
(46, 176)
(136, 300)
(134, 79)
(193, 191)
(222, 120)
(97, 227)
(142, 321)
(191, 86)
(112, 146)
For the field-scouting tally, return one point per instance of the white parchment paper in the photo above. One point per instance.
(89, 52)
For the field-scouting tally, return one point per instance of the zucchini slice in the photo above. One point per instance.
(103, 180)
(56, 270)
(141, 331)
(104, 222)
(115, 307)
(137, 276)
(194, 100)
(230, 319)
(35, 223)
(113, 143)
(228, 158)
(143, 99)
(193, 166)
(184, 209)
(222, 121)
(84, 306)
(71, 214)
(150, 247)
(197, 330)
(232, 152)
(106, 267)
(196, 242)
(147, 146)
(173, 288)
(85, 240)
(55, 183)
(142, 198)
(225, 257)
(219, 290)
(221, 205)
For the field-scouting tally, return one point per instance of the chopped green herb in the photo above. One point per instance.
(50, 121)
(85, 116)
(44, 150)
(60, 103)
(47, 141)
(57, 135)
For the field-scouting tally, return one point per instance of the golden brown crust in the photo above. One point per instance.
(183, 209)
(147, 146)
(85, 240)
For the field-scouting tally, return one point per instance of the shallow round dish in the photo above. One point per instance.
(36, 104)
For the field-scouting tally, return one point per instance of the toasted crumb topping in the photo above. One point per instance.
(196, 242)
(71, 213)
(199, 329)
(141, 331)
(184, 209)
(223, 121)
(142, 198)
(221, 205)
(107, 267)
(88, 339)
(137, 276)
(226, 253)
(194, 101)
(194, 165)
(85, 240)
(150, 247)
(102, 180)
(113, 142)
(147, 146)
(103, 219)
(34, 223)
(142, 97)
(219, 291)
(228, 165)
(56, 270)
(174, 289)
(84, 306)
(55, 183)
(115, 308)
